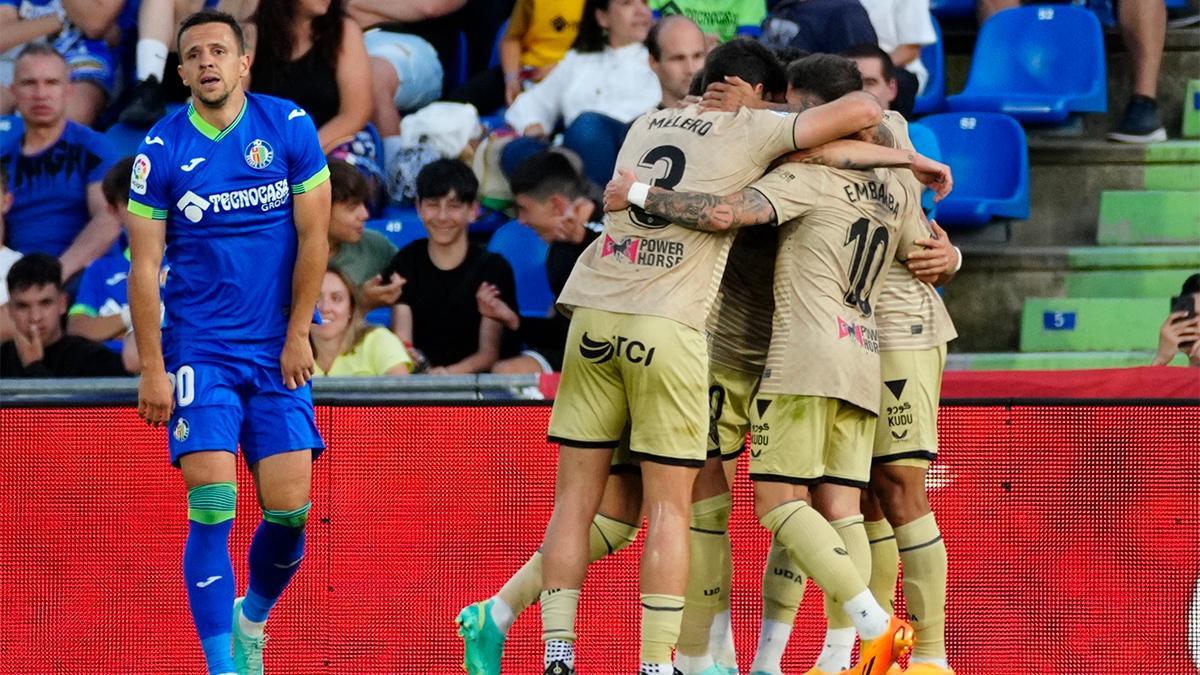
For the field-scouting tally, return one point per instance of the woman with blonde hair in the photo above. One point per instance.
(344, 345)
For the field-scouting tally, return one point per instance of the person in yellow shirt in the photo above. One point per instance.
(344, 345)
(538, 35)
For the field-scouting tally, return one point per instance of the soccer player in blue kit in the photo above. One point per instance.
(235, 187)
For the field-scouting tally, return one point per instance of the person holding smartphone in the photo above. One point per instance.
(1181, 331)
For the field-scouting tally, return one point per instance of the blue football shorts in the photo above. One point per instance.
(228, 395)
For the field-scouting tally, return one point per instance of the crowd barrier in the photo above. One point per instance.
(1072, 528)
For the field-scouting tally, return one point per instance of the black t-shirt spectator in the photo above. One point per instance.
(70, 356)
(549, 336)
(445, 317)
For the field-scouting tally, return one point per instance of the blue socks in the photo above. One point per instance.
(208, 571)
(275, 555)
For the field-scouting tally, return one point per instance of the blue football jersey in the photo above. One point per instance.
(226, 197)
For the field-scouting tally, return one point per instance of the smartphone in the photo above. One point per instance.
(1185, 303)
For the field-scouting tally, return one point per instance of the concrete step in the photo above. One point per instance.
(1134, 257)
(1149, 217)
(1124, 283)
(1053, 360)
(1091, 324)
(987, 297)
(1067, 178)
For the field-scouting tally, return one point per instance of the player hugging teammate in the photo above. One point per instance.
(839, 221)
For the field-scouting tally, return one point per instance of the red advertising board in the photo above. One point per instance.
(1073, 534)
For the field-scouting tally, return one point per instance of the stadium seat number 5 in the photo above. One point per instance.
(184, 382)
(675, 162)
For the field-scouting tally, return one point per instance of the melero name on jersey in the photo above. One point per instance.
(872, 191)
(682, 122)
(266, 197)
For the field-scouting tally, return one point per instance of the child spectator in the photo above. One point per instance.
(7, 257)
(56, 167)
(596, 91)
(343, 344)
(539, 34)
(437, 312)
(101, 309)
(554, 199)
(359, 253)
(75, 30)
(312, 54)
(39, 348)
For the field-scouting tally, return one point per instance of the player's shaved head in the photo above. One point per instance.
(749, 60)
(208, 16)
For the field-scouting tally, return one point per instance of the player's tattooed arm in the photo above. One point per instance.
(857, 155)
(710, 213)
(880, 134)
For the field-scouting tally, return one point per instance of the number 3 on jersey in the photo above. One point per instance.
(675, 161)
(864, 268)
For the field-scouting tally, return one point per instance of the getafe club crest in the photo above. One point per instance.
(182, 430)
(259, 154)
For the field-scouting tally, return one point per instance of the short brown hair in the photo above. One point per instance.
(347, 184)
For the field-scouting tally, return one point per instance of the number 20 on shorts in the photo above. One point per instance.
(184, 383)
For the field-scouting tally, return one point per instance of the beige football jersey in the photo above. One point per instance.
(739, 326)
(645, 265)
(840, 231)
(910, 314)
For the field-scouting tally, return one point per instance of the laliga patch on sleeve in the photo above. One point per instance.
(141, 172)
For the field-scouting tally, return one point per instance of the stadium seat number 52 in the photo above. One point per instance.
(184, 383)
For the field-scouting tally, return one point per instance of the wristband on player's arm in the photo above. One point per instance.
(958, 265)
(637, 194)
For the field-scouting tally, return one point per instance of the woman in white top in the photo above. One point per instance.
(601, 85)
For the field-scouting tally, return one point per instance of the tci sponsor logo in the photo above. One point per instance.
(602, 351)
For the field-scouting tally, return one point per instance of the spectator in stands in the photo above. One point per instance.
(406, 72)
(720, 20)
(878, 74)
(309, 52)
(75, 30)
(828, 26)
(903, 27)
(555, 200)
(538, 35)
(677, 50)
(343, 344)
(7, 256)
(1144, 30)
(101, 309)
(39, 348)
(360, 254)
(157, 23)
(437, 312)
(55, 170)
(1181, 330)
(596, 91)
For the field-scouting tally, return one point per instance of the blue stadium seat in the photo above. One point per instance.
(934, 57)
(952, 8)
(11, 129)
(380, 316)
(400, 225)
(526, 253)
(990, 160)
(926, 143)
(494, 61)
(1037, 63)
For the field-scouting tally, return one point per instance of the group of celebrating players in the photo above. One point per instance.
(686, 336)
